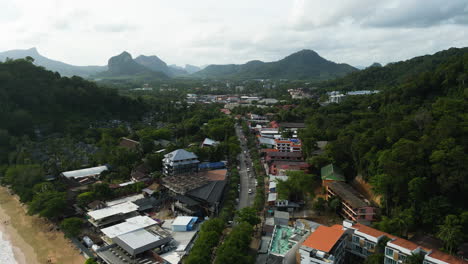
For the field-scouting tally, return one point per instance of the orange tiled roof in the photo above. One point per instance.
(406, 244)
(324, 238)
(371, 231)
(437, 254)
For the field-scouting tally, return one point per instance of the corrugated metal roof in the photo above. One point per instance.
(131, 224)
(139, 238)
(180, 154)
(331, 172)
(123, 208)
(85, 172)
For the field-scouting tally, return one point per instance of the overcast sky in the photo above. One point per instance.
(358, 32)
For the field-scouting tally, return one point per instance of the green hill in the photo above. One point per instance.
(32, 97)
(305, 64)
(376, 78)
(410, 141)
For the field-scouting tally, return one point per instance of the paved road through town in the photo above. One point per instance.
(246, 182)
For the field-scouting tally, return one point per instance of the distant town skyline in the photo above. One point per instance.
(357, 32)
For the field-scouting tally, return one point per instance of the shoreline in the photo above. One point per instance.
(32, 238)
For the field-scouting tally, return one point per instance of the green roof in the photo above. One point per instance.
(331, 172)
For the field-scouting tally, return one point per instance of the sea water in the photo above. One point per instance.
(6, 251)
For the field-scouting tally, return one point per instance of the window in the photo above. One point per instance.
(370, 245)
(389, 261)
(389, 252)
(402, 257)
(357, 249)
(355, 239)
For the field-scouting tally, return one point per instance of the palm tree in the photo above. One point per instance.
(450, 232)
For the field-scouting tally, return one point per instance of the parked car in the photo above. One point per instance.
(250, 191)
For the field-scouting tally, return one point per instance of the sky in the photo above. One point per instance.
(201, 32)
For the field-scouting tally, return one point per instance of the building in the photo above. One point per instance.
(353, 206)
(85, 176)
(209, 143)
(281, 218)
(141, 173)
(112, 214)
(130, 225)
(179, 162)
(326, 245)
(364, 239)
(398, 249)
(281, 167)
(184, 223)
(288, 145)
(197, 194)
(267, 142)
(283, 242)
(331, 173)
(283, 156)
(129, 144)
(438, 257)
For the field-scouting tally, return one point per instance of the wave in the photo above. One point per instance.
(6, 251)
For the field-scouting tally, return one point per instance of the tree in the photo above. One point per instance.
(375, 259)
(48, 204)
(71, 226)
(414, 259)
(249, 215)
(85, 198)
(450, 232)
(91, 261)
(320, 205)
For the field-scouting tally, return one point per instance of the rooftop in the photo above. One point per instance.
(130, 224)
(122, 208)
(324, 238)
(130, 198)
(331, 172)
(446, 258)
(292, 125)
(128, 143)
(371, 231)
(184, 220)
(404, 243)
(210, 142)
(348, 194)
(139, 238)
(215, 175)
(180, 154)
(281, 214)
(85, 172)
(280, 243)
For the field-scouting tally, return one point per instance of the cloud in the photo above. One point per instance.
(370, 13)
(114, 27)
(358, 32)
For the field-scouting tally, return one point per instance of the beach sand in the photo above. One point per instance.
(33, 239)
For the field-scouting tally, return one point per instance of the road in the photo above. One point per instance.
(246, 182)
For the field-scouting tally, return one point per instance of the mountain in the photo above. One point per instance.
(123, 65)
(305, 64)
(192, 68)
(392, 74)
(153, 63)
(53, 65)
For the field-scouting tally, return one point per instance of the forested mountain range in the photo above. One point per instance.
(305, 64)
(32, 97)
(53, 65)
(410, 141)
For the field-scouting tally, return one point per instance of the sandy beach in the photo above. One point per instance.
(33, 239)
